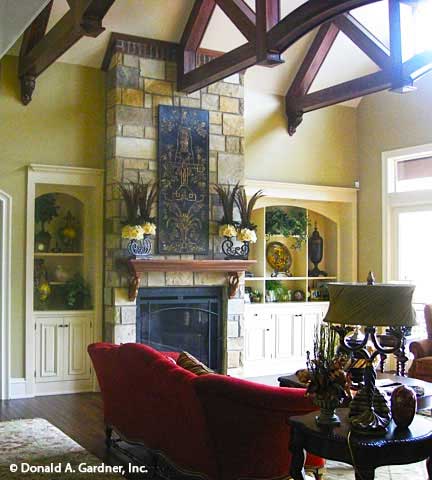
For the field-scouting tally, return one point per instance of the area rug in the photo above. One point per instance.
(26, 445)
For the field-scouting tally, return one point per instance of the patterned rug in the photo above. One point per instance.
(36, 444)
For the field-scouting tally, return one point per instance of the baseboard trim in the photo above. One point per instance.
(18, 389)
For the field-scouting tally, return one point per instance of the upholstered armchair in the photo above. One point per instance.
(421, 366)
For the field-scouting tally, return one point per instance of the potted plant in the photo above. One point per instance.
(139, 198)
(328, 386)
(46, 209)
(77, 293)
(289, 224)
(228, 227)
(247, 229)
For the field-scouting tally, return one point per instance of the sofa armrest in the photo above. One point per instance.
(422, 348)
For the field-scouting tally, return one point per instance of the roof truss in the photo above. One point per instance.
(394, 74)
(40, 49)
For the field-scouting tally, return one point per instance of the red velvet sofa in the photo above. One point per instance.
(217, 426)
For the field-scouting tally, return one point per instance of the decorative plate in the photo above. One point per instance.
(279, 257)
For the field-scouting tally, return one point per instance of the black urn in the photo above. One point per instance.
(316, 250)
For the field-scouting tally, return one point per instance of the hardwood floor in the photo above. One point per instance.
(80, 416)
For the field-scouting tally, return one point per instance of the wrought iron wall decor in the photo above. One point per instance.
(183, 208)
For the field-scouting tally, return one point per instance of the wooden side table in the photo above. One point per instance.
(364, 453)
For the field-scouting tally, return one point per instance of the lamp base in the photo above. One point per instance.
(370, 423)
(369, 412)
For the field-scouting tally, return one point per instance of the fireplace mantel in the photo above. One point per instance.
(233, 268)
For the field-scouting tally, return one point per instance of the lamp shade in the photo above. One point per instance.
(375, 305)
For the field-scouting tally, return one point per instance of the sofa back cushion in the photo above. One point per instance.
(192, 364)
(158, 407)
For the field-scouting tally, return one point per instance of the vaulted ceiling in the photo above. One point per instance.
(166, 19)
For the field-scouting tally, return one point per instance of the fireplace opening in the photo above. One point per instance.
(177, 319)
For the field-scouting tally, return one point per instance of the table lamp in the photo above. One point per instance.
(370, 305)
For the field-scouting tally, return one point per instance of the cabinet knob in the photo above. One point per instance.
(267, 329)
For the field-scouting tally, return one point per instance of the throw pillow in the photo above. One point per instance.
(189, 362)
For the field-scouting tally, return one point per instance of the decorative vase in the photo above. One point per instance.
(140, 248)
(316, 251)
(232, 252)
(42, 241)
(60, 274)
(403, 406)
(68, 234)
(327, 415)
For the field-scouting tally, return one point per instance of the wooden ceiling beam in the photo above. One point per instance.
(364, 39)
(281, 35)
(42, 50)
(267, 15)
(241, 15)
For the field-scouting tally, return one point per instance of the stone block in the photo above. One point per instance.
(128, 315)
(135, 163)
(148, 102)
(133, 116)
(235, 344)
(209, 101)
(171, 71)
(130, 61)
(113, 97)
(133, 131)
(156, 279)
(150, 132)
(121, 298)
(217, 142)
(158, 87)
(135, 147)
(161, 100)
(112, 315)
(229, 104)
(124, 334)
(242, 145)
(233, 125)
(116, 59)
(233, 329)
(213, 162)
(190, 102)
(133, 97)
(233, 359)
(233, 144)
(226, 89)
(210, 278)
(235, 306)
(216, 129)
(179, 278)
(124, 77)
(235, 78)
(151, 68)
(216, 117)
(153, 165)
(230, 168)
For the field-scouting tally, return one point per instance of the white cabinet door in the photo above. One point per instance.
(76, 339)
(310, 322)
(49, 349)
(285, 327)
(259, 337)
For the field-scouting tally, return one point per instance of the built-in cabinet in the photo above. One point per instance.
(64, 278)
(278, 333)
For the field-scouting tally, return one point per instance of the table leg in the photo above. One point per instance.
(429, 467)
(363, 474)
(298, 456)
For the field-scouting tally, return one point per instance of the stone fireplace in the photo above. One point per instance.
(142, 75)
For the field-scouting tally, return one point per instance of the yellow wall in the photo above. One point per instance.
(386, 121)
(323, 151)
(63, 125)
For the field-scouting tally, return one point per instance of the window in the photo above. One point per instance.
(407, 222)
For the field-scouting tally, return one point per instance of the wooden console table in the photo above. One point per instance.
(233, 268)
(364, 453)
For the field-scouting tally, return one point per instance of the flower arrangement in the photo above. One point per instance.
(139, 198)
(227, 230)
(247, 235)
(227, 195)
(327, 381)
(247, 229)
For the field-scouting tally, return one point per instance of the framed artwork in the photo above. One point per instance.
(183, 155)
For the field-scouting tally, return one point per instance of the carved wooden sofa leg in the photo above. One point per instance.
(108, 435)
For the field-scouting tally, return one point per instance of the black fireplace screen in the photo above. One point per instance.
(176, 319)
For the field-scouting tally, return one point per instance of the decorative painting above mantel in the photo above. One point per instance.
(183, 207)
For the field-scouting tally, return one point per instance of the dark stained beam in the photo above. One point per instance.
(242, 16)
(85, 19)
(34, 34)
(306, 17)
(267, 15)
(193, 34)
(364, 39)
(282, 35)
